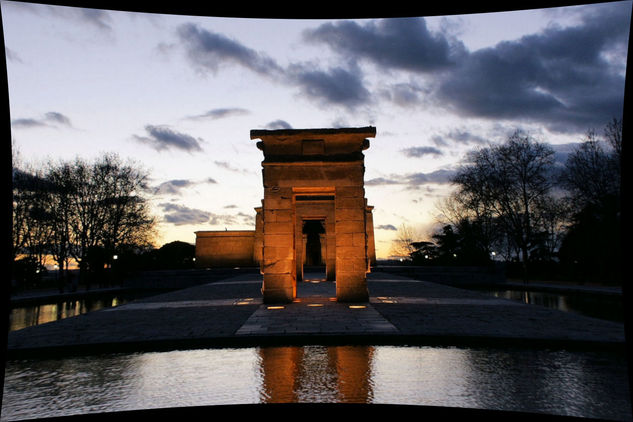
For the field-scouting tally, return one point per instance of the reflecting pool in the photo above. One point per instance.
(608, 307)
(587, 384)
(26, 316)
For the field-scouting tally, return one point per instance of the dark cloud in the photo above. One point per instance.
(27, 123)
(338, 85)
(421, 151)
(391, 43)
(560, 77)
(173, 187)
(220, 113)
(278, 124)
(209, 50)
(181, 215)
(56, 117)
(176, 186)
(50, 119)
(441, 176)
(99, 18)
(414, 180)
(164, 138)
(458, 136)
(405, 94)
(386, 227)
(379, 181)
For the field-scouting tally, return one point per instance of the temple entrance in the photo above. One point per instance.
(314, 251)
(314, 212)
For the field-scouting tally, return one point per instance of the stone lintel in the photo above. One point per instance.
(368, 131)
(302, 161)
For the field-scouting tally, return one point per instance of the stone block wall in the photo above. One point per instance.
(225, 248)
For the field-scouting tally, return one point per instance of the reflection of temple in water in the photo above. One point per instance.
(294, 374)
(314, 213)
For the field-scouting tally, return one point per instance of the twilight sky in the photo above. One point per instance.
(179, 95)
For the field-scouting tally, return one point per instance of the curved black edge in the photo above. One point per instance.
(57, 352)
(286, 410)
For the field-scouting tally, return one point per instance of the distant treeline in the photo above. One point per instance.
(86, 212)
(512, 202)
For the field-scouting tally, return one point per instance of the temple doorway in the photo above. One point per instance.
(314, 251)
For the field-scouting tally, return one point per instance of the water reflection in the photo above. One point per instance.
(556, 382)
(316, 374)
(22, 317)
(598, 306)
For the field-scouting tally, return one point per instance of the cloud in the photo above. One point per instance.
(176, 186)
(219, 113)
(181, 215)
(163, 138)
(227, 166)
(404, 44)
(338, 85)
(49, 119)
(386, 227)
(96, 17)
(278, 124)
(414, 180)
(459, 136)
(12, 56)
(561, 77)
(421, 151)
(209, 50)
(53, 116)
(173, 187)
(378, 181)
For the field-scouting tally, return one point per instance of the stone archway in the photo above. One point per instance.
(315, 174)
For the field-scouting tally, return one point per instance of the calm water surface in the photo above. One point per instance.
(608, 307)
(26, 316)
(556, 382)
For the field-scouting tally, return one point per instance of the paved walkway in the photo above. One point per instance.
(230, 313)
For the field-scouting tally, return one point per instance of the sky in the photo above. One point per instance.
(178, 95)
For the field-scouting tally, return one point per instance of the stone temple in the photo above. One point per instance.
(314, 213)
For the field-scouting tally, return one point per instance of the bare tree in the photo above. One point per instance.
(509, 183)
(592, 172)
(402, 245)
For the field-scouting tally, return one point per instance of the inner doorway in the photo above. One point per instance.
(314, 268)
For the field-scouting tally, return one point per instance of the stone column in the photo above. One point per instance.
(279, 246)
(351, 241)
(259, 238)
(371, 241)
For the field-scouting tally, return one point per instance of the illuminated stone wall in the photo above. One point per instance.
(314, 174)
(225, 248)
(310, 176)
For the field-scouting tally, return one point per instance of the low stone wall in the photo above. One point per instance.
(454, 276)
(225, 248)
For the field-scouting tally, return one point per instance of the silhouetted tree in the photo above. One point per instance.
(591, 248)
(32, 221)
(511, 182)
(81, 210)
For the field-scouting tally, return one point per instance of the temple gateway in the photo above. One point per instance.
(314, 213)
